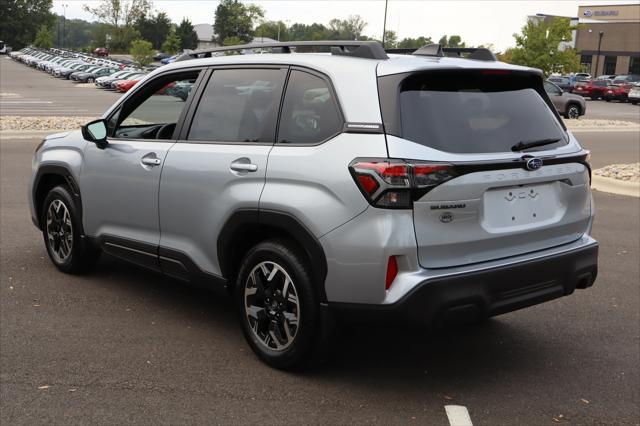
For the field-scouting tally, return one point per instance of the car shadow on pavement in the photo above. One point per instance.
(387, 358)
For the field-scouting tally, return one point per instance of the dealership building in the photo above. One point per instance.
(608, 39)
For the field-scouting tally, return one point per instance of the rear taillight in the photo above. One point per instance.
(395, 183)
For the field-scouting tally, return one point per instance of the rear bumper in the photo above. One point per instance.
(472, 296)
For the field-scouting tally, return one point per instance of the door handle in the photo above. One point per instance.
(151, 161)
(244, 167)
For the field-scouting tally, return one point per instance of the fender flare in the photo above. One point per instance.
(245, 219)
(63, 172)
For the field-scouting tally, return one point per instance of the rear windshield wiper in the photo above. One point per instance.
(522, 145)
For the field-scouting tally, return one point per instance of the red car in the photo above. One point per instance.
(125, 85)
(101, 51)
(617, 92)
(593, 89)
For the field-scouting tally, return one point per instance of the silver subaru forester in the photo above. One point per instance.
(329, 181)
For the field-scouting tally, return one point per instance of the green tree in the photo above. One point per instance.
(452, 41)
(188, 36)
(276, 30)
(235, 19)
(142, 52)
(44, 37)
(155, 28)
(21, 19)
(78, 32)
(538, 46)
(390, 39)
(120, 16)
(414, 43)
(307, 32)
(172, 43)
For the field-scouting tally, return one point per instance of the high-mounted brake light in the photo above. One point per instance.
(396, 184)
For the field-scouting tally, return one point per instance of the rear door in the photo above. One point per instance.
(218, 165)
(494, 201)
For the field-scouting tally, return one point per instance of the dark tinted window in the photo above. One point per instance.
(239, 105)
(552, 89)
(475, 112)
(601, 83)
(309, 113)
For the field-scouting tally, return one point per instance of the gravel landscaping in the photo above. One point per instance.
(598, 123)
(624, 172)
(42, 123)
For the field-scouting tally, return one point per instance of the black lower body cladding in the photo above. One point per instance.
(476, 295)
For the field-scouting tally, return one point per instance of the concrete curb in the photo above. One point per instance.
(607, 129)
(7, 135)
(615, 186)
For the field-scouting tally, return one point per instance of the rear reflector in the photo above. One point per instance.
(392, 271)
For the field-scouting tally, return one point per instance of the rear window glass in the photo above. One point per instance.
(473, 112)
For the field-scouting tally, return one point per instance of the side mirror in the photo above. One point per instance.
(96, 132)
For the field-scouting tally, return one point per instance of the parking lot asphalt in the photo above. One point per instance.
(122, 345)
(125, 346)
(27, 91)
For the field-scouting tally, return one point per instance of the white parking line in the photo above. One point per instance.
(458, 415)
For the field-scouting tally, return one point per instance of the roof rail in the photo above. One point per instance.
(478, 53)
(354, 49)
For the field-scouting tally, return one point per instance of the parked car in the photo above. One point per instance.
(627, 78)
(562, 82)
(606, 77)
(584, 76)
(169, 60)
(134, 76)
(90, 77)
(634, 94)
(617, 92)
(160, 56)
(105, 82)
(568, 105)
(101, 51)
(472, 200)
(593, 89)
(124, 85)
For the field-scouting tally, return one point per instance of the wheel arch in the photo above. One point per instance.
(247, 227)
(47, 178)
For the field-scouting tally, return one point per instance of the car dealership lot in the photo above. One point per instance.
(122, 345)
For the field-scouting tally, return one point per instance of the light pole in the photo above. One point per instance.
(600, 35)
(384, 25)
(64, 22)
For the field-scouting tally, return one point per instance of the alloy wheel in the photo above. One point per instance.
(573, 112)
(272, 306)
(59, 231)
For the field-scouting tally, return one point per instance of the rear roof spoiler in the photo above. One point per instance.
(436, 50)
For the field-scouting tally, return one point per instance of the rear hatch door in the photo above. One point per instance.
(497, 201)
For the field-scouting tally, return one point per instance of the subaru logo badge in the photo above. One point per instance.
(533, 164)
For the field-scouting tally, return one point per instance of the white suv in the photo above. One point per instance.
(346, 184)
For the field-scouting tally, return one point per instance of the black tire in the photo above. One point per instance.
(573, 111)
(634, 102)
(81, 256)
(594, 97)
(298, 351)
